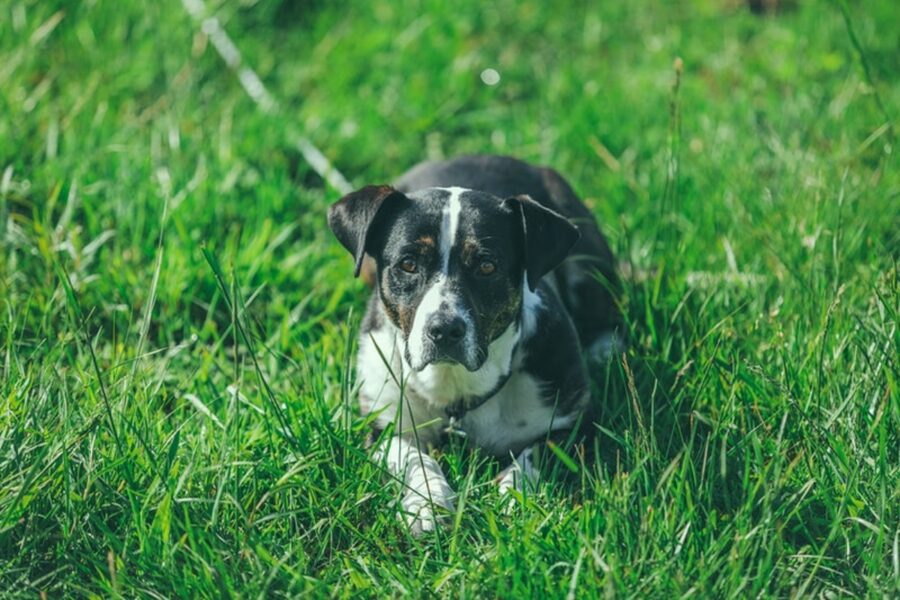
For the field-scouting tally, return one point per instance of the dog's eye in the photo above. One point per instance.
(486, 267)
(409, 264)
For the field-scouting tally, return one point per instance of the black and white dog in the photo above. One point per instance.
(478, 318)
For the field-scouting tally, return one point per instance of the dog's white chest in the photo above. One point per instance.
(513, 418)
(521, 412)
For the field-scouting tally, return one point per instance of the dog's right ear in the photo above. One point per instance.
(353, 217)
(548, 237)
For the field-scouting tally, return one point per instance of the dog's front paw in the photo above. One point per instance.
(520, 476)
(423, 516)
(421, 521)
(511, 479)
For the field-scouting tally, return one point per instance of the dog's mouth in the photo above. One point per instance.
(446, 360)
(440, 357)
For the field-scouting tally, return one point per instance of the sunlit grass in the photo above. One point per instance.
(177, 414)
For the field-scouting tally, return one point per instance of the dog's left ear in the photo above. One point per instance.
(353, 218)
(548, 237)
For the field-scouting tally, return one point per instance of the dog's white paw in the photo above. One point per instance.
(422, 516)
(521, 476)
(421, 522)
(511, 479)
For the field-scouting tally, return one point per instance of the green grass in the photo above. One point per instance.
(176, 408)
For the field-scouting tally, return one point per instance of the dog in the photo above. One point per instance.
(489, 277)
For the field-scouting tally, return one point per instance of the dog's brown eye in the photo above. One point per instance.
(408, 264)
(486, 267)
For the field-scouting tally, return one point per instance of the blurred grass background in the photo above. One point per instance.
(177, 324)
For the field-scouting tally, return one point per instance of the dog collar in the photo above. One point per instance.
(457, 411)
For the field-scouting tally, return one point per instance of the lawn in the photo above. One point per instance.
(177, 409)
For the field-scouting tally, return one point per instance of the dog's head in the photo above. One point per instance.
(451, 263)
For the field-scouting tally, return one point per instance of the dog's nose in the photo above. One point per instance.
(446, 329)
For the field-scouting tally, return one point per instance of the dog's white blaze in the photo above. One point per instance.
(450, 225)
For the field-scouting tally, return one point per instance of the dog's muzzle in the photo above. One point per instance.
(446, 337)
